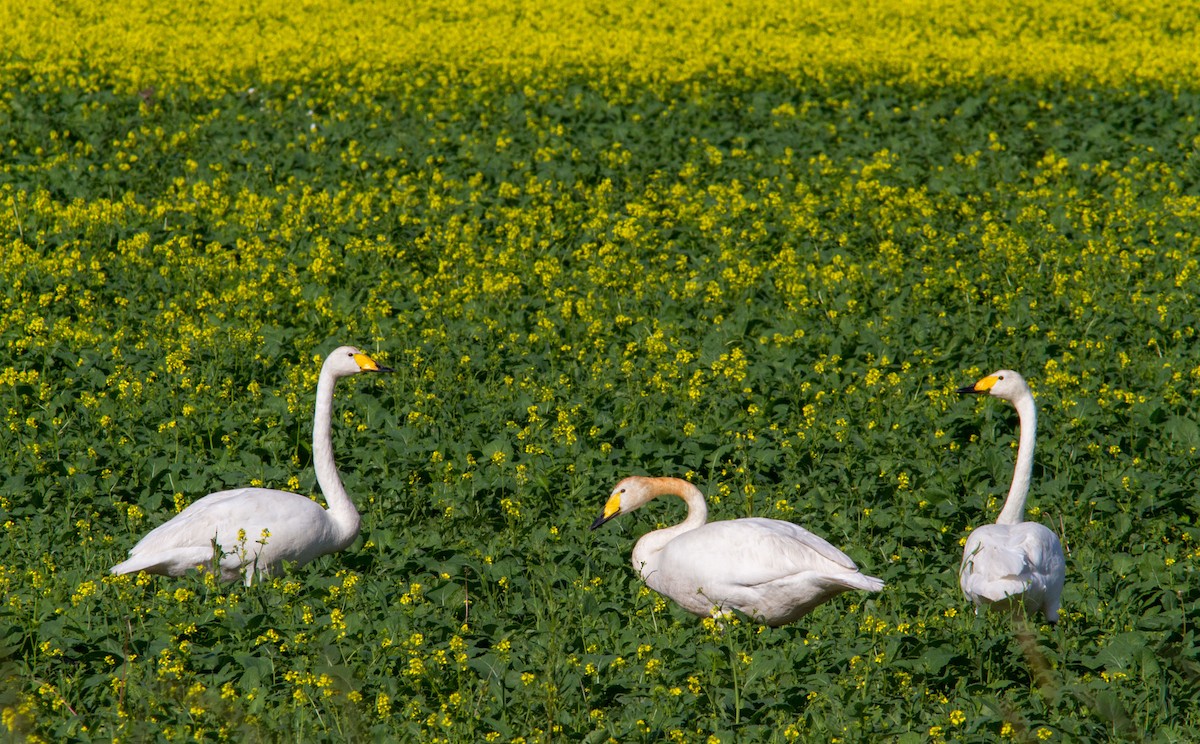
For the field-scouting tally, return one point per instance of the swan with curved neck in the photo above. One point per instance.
(773, 571)
(257, 529)
(1014, 562)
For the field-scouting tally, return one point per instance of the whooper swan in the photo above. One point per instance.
(257, 529)
(771, 570)
(1013, 561)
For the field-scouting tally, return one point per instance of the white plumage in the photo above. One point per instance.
(1014, 562)
(771, 570)
(257, 529)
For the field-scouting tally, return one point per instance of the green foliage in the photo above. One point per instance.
(770, 290)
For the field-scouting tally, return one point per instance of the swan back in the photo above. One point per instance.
(1004, 565)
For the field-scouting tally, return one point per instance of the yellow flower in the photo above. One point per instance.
(86, 589)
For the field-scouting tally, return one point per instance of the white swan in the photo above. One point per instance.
(1012, 560)
(256, 529)
(771, 570)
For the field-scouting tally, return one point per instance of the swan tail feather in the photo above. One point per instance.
(858, 581)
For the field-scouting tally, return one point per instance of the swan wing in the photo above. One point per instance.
(292, 520)
(750, 552)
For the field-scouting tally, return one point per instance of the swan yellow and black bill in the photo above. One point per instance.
(367, 364)
(611, 509)
(980, 387)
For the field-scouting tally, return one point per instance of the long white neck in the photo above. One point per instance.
(341, 510)
(1014, 506)
(645, 553)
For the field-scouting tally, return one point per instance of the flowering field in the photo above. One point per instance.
(756, 247)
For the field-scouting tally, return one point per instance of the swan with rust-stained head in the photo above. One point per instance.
(773, 571)
(257, 529)
(1014, 562)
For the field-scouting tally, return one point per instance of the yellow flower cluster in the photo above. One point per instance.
(223, 42)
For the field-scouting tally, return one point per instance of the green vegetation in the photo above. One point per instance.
(767, 285)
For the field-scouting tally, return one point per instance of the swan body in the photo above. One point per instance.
(257, 529)
(773, 571)
(1014, 562)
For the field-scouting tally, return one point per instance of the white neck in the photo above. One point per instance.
(645, 553)
(341, 510)
(1014, 506)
